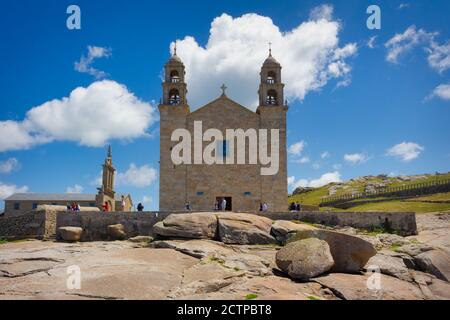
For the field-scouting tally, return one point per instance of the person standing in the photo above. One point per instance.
(224, 204)
(123, 203)
(140, 207)
(105, 207)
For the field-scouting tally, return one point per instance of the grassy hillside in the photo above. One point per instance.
(428, 203)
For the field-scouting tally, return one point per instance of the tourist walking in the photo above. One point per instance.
(265, 207)
(188, 206)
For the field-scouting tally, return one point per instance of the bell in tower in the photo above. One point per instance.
(271, 89)
(174, 85)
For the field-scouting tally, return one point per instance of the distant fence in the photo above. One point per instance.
(405, 191)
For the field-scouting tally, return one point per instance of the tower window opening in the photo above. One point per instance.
(271, 77)
(174, 76)
(271, 97)
(174, 97)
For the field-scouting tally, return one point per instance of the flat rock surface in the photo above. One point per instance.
(434, 230)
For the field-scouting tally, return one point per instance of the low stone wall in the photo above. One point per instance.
(95, 224)
(45, 223)
(404, 223)
(39, 224)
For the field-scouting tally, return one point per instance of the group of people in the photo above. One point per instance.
(220, 205)
(294, 206)
(74, 207)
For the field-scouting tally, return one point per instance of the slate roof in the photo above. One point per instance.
(55, 197)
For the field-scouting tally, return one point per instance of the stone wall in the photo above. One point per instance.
(40, 224)
(95, 224)
(404, 223)
(44, 223)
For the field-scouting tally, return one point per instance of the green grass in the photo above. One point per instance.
(394, 247)
(437, 197)
(399, 206)
(417, 204)
(2, 241)
(251, 296)
(312, 298)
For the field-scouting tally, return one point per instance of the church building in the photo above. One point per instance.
(202, 185)
(20, 203)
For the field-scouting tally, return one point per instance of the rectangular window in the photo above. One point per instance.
(16, 206)
(200, 193)
(92, 204)
(248, 193)
(34, 206)
(223, 149)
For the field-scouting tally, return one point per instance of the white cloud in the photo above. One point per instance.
(439, 56)
(146, 200)
(356, 158)
(138, 177)
(371, 42)
(91, 116)
(442, 91)
(85, 63)
(75, 189)
(234, 53)
(10, 165)
(324, 11)
(297, 148)
(7, 190)
(337, 166)
(401, 43)
(302, 160)
(325, 155)
(406, 151)
(315, 183)
(403, 5)
(316, 166)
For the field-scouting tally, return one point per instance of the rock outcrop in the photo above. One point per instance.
(282, 230)
(305, 259)
(190, 226)
(70, 234)
(350, 253)
(241, 228)
(436, 262)
(116, 232)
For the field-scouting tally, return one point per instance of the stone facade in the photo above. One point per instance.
(39, 224)
(242, 185)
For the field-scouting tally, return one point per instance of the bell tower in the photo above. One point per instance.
(272, 113)
(173, 111)
(106, 192)
(271, 89)
(174, 85)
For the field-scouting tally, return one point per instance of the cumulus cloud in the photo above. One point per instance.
(309, 53)
(356, 158)
(401, 43)
(9, 165)
(7, 190)
(85, 63)
(297, 148)
(439, 56)
(90, 116)
(315, 183)
(75, 189)
(138, 177)
(442, 91)
(405, 151)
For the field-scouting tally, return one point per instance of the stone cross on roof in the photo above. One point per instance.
(224, 88)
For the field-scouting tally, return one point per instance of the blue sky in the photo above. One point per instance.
(378, 113)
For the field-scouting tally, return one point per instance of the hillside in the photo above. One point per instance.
(426, 203)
